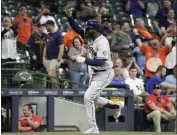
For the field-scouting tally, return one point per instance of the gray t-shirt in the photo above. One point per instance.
(118, 40)
(78, 67)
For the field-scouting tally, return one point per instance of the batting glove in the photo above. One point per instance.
(80, 59)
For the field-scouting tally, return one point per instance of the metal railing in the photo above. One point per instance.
(40, 79)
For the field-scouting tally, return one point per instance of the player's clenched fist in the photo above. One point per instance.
(80, 59)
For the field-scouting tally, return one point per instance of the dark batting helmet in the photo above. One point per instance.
(92, 24)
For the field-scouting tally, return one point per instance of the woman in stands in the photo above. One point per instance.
(78, 71)
(8, 36)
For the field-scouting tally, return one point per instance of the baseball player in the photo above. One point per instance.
(102, 72)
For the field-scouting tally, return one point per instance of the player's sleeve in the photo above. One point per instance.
(103, 50)
(76, 27)
(59, 39)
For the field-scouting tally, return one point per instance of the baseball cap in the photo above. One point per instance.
(50, 22)
(156, 86)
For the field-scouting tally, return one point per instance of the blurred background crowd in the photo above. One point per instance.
(142, 36)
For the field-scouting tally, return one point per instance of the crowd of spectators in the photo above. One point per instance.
(143, 59)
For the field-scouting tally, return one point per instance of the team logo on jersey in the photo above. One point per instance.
(105, 53)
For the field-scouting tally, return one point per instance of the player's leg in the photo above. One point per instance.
(98, 83)
(89, 101)
(116, 106)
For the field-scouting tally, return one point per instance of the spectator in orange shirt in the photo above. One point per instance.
(24, 25)
(159, 107)
(29, 122)
(68, 38)
(154, 54)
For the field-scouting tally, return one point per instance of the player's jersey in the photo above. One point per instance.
(100, 49)
(9, 49)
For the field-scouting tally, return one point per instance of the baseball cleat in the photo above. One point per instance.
(117, 112)
(91, 131)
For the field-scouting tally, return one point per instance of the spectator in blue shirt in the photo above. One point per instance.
(53, 51)
(158, 78)
(135, 7)
(118, 78)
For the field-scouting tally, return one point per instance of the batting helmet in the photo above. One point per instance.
(93, 24)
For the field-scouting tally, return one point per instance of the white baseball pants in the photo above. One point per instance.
(92, 96)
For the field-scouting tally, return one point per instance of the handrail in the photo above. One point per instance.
(59, 79)
(11, 63)
(11, 69)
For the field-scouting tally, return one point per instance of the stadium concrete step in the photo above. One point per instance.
(67, 113)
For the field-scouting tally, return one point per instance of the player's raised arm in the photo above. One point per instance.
(72, 22)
